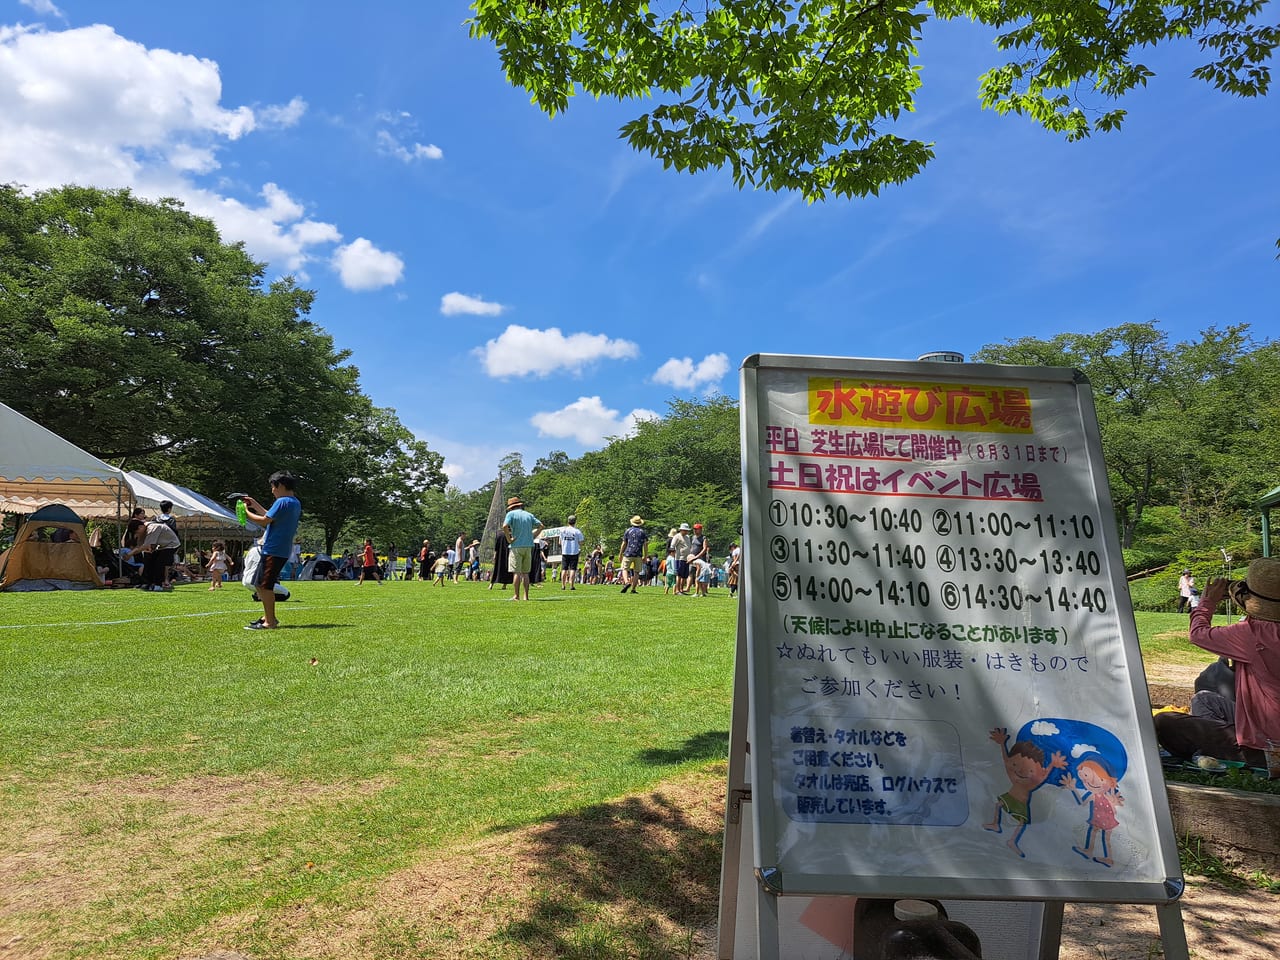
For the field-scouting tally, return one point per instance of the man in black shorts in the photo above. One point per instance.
(570, 549)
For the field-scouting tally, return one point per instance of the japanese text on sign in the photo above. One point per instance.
(924, 405)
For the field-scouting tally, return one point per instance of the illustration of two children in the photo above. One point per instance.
(1024, 764)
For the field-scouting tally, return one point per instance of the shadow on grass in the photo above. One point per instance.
(712, 745)
(634, 878)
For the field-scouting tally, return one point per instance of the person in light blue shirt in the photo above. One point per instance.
(521, 528)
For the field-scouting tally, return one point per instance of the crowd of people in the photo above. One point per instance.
(681, 563)
(1234, 714)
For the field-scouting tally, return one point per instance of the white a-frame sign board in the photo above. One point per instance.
(947, 696)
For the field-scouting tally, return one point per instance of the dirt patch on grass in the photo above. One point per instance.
(1174, 674)
(82, 862)
(1220, 921)
(640, 878)
(636, 877)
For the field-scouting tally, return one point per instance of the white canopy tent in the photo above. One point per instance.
(194, 514)
(38, 467)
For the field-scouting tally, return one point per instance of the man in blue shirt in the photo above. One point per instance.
(281, 523)
(521, 529)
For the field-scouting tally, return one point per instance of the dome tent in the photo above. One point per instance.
(51, 552)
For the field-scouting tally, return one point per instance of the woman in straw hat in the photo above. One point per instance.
(1218, 727)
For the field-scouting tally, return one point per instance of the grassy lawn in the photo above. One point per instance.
(1163, 638)
(400, 771)
(165, 773)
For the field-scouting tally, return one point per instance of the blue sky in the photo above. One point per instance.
(508, 282)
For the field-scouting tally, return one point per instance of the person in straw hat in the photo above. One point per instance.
(1218, 726)
(631, 553)
(521, 529)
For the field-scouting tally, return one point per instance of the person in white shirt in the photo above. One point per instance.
(570, 549)
(1186, 590)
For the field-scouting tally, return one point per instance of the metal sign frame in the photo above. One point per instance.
(814, 857)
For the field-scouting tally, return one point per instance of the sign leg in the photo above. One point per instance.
(736, 793)
(768, 930)
(1051, 930)
(1173, 935)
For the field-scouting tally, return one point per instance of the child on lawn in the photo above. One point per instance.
(441, 569)
(217, 565)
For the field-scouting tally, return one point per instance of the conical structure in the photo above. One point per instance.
(493, 522)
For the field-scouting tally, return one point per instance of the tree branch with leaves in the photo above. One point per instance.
(804, 94)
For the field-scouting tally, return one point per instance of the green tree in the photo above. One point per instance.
(557, 461)
(1177, 421)
(131, 329)
(803, 94)
(369, 478)
(717, 509)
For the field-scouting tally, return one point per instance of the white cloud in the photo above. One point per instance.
(390, 146)
(588, 421)
(684, 374)
(455, 303)
(271, 232)
(44, 8)
(362, 266)
(88, 106)
(283, 115)
(186, 158)
(519, 351)
(280, 205)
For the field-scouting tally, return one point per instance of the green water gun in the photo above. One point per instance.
(242, 512)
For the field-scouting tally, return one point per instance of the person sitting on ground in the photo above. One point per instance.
(1217, 726)
(1218, 677)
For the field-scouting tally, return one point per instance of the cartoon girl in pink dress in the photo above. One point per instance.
(1103, 794)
